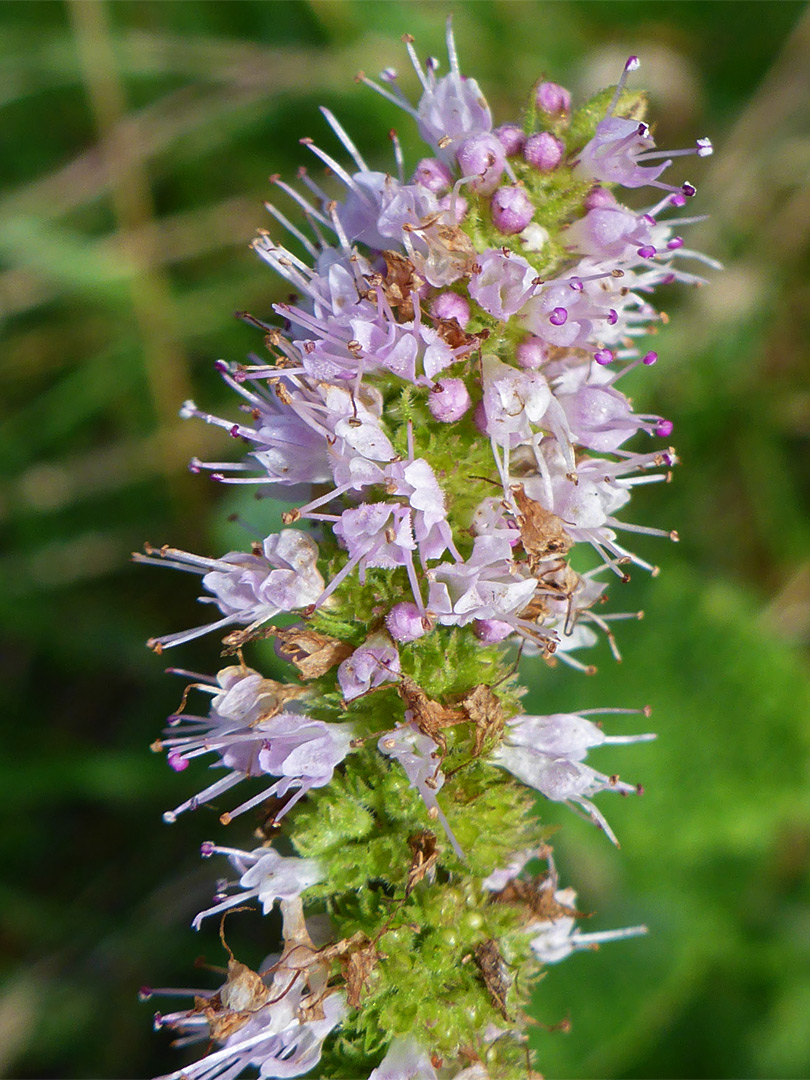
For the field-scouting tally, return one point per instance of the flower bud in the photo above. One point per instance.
(512, 209)
(598, 198)
(511, 137)
(406, 622)
(531, 353)
(433, 174)
(448, 400)
(482, 158)
(491, 631)
(553, 99)
(544, 151)
(456, 203)
(450, 305)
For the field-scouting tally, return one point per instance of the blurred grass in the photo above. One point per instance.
(137, 142)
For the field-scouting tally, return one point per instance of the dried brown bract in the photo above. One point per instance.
(537, 894)
(480, 707)
(429, 716)
(484, 710)
(425, 855)
(541, 532)
(492, 969)
(237, 639)
(358, 967)
(399, 284)
(451, 332)
(312, 653)
(243, 994)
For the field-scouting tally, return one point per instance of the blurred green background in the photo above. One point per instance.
(137, 139)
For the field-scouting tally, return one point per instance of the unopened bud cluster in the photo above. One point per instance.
(440, 406)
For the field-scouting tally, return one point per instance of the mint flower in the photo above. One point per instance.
(252, 738)
(418, 755)
(546, 752)
(440, 405)
(374, 663)
(619, 147)
(451, 108)
(248, 588)
(259, 1027)
(265, 875)
(557, 936)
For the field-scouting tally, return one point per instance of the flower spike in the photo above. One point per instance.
(441, 406)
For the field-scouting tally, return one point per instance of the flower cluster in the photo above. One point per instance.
(441, 409)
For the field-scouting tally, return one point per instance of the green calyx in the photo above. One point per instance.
(435, 954)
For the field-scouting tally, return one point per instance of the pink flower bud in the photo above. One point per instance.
(482, 158)
(531, 353)
(406, 622)
(433, 174)
(553, 99)
(449, 305)
(544, 151)
(491, 631)
(511, 137)
(512, 210)
(598, 198)
(448, 400)
(456, 203)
